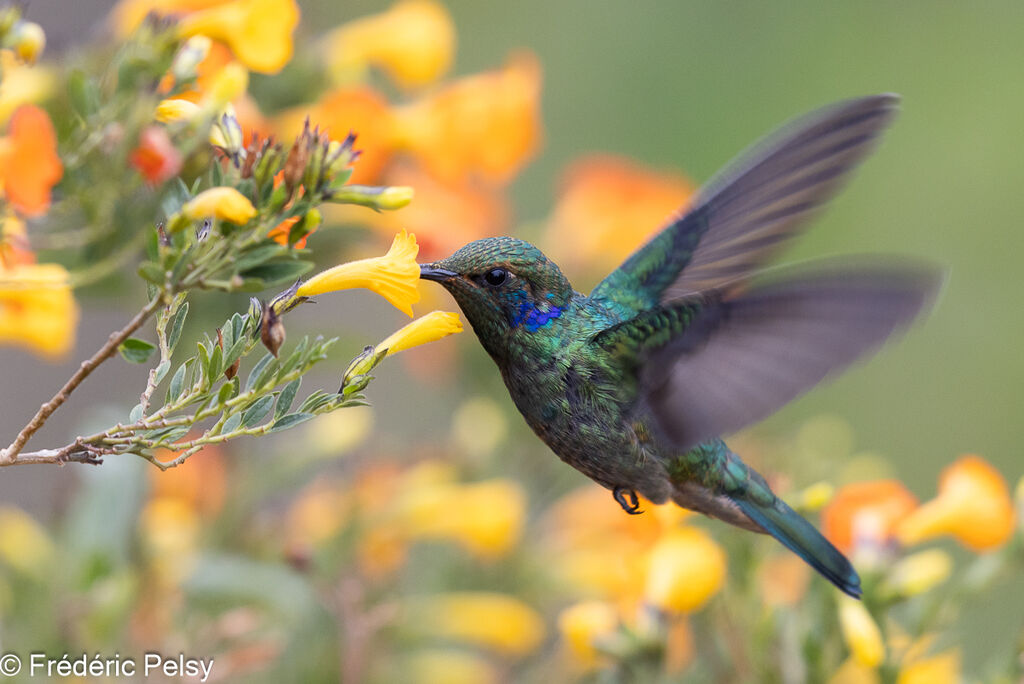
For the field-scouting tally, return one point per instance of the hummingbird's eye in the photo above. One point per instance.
(496, 277)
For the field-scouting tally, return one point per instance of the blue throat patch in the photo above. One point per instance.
(533, 317)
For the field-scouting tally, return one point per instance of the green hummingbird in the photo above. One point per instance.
(635, 384)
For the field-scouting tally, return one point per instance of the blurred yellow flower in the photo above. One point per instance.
(227, 85)
(852, 672)
(175, 110)
(607, 207)
(479, 426)
(394, 276)
(486, 125)
(128, 14)
(27, 40)
(29, 164)
(21, 84)
(24, 543)
(318, 513)
(484, 517)
(860, 632)
(973, 506)
(813, 498)
(413, 41)
(498, 622)
(583, 625)
(449, 666)
(866, 512)
(685, 569)
(37, 309)
(919, 572)
(223, 203)
(340, 432)
(943, 668)
(170, 530)
(429, 328)
(259, 32)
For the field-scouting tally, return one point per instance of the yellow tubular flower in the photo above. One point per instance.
(686, 568)
(495, 621)
(583, 625)
(259, 32)
(973, 506)
(394, 276)
(173, 111)
(940, 669)
(37, 309)
(429, 328)
(224, 203)
(860, 632)
(920, 572)
(413, 42)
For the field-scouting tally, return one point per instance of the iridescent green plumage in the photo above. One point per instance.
(634, 384)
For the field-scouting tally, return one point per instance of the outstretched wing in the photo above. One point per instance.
(746, 213)
(739, 360)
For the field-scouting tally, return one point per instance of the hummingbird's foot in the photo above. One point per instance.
(628, 500)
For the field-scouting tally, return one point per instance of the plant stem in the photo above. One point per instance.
(9, 456)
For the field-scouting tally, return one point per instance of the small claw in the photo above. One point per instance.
(631, 504)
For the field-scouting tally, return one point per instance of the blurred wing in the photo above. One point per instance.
(745, 214)
(744, 358)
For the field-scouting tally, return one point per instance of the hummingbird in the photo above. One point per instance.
(692, 337)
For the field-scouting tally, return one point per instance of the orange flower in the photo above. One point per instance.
(486, 125)
(37, 309)
(607, 207)
(156, 157)
(866, 511)
(200, 482)
(359, 109)
(973, 506)
(29, 165)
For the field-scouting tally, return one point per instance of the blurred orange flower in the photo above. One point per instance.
(607, 207)
(128, 14)
(359, 109)
(200, 482)
(486, 125)
(156, 157)
(866, 512)
(37, 309)
(29, 165)
(973, 506)
(413, 41)
(259, 32)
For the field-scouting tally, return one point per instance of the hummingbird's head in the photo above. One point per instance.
(504, 286)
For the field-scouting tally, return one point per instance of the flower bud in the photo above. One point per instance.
(193, 51)
(28, 41)
(224, 203)
(272, 330)
(175, 110)
(379, 198)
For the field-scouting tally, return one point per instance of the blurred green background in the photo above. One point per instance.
(686, 86)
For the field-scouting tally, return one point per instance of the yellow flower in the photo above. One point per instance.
(28, 40)
(37, 309)
(449, 666)
(425, 329)
(585, 624)
(860, 632)
(228, 84)
(413, 42)
(224, 203)
(852, 672)
(686, 568)
(21, 84)
(259, 32)
(479, 426)
(173, 111)
(943, 668)
(973, 506)
(318, 513)
(813, 498)
(128, 14)
(484, 517)
(501, 623)
(24, 544)
(170, 529)
(920, 572)
(394, 276)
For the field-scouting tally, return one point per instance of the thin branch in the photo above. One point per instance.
(9, 456)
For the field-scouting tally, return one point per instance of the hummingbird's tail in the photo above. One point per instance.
(731, 490)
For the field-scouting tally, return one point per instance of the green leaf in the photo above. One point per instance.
(232, 423)
(276, 272)
(161, 371)
(215, 362)
(290, 421)
(83, 94)
(227, 390)
(151, 272)
(177, 383)
(287, 396)
(135, 350)
(235, 352)
(136, 414)
(204, 362)
(176, 326)
(257, 369)
(257, 411)
(238, 322)
(259, 256)
(175, 196)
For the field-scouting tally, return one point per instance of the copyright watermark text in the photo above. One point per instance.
(43, 665)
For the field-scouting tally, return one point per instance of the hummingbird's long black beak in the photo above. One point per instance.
(431, 272)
